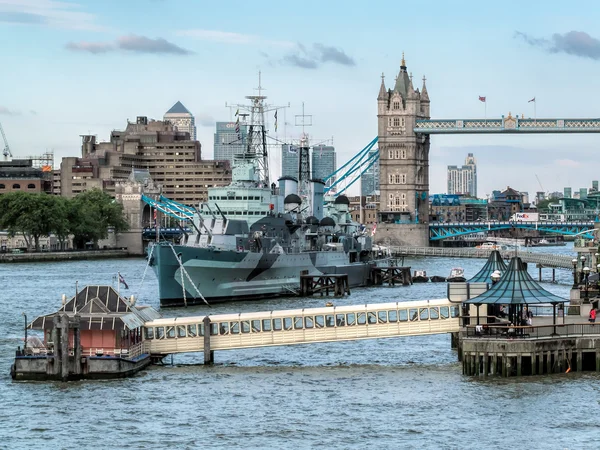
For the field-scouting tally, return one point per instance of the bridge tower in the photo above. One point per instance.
(404, 162)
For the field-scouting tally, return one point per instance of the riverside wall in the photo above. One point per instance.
(64, 256)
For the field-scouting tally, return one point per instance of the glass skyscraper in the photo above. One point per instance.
(289, 160)
(228, 142)
(369, 180)
(323, 162)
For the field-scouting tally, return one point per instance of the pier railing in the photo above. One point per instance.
(531, 332)
(543, 259)
(126, 352)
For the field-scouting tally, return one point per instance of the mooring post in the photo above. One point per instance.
(540, 272)
(209, 356)
(76, 325)
(553, 275)
(64, 347)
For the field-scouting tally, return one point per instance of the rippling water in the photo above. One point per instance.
(388, 393)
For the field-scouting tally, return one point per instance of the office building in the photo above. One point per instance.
(323, 163)
(463, 180)
(20, 175)
(229, 142)
(181, 118)
(370, 178)
(169, 155)
(289, 160)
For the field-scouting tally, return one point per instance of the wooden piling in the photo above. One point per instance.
(209, 355)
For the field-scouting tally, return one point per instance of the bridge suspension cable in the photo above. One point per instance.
(170, 208)
(362, 161)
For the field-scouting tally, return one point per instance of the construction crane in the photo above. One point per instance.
(540, 183)
(6, 152)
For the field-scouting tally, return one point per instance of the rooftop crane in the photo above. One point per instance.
(6, 152)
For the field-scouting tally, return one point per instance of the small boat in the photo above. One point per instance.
(488, 246)
(420, 276)
(457, 275)
(438, 279)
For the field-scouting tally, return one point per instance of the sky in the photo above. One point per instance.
(85, 67)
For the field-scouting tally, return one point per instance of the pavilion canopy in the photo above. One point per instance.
(516, 287)
(494, 262)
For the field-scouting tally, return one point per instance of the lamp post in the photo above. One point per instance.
(582, 258)
(574, 262)
(495, 276)
(586, 273)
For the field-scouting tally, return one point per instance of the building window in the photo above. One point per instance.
(31, 186)
(396, 121)
(16, 186)
(397, 154)
(391, 154)
(403, 154)
(2, 186)
(403, 178)
(396, 105)
(389, 121)
(397, 178)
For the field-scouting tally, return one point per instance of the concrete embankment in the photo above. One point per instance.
(63, 256)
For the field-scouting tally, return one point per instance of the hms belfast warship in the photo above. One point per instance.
(253, 240)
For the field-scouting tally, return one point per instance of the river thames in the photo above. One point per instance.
(389, 393)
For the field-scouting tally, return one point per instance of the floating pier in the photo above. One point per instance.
(324, 284)
(538, 350)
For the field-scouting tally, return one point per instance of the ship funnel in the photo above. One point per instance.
(317, 189)
(287, 186)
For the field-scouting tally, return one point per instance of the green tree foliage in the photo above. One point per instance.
(91, 213)
(88, 216)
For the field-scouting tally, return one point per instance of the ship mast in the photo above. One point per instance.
(256, 143)
(304, 174)
(256, 133)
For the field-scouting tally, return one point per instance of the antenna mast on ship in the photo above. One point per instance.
(256, 141)
(304, 155)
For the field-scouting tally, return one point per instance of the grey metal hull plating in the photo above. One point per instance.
(229, 275)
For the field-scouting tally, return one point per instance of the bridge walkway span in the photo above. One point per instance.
(301, 326)
(543, 259)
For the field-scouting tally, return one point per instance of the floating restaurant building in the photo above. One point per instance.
(95, 334)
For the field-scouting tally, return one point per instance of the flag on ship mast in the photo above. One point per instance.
(482, 99)
(237, 112)
(122, 280)
(532, 100)
(275, 120)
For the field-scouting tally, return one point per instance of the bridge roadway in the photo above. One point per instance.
(441, 230)
(544, 259)
(299, 326)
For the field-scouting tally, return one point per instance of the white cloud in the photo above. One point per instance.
(227, 37)
(47, 13)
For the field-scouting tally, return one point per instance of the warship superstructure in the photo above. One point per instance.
(253, 239)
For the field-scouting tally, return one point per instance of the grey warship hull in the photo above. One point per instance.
(186, 273)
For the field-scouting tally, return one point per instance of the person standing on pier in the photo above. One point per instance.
(592, 315)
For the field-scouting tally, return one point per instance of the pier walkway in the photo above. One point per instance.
(543, 259)
(300, 326)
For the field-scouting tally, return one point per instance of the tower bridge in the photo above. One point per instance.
(440, 231)
(404, 131)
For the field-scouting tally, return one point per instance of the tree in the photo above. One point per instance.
(33, 215)
(90, 215)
